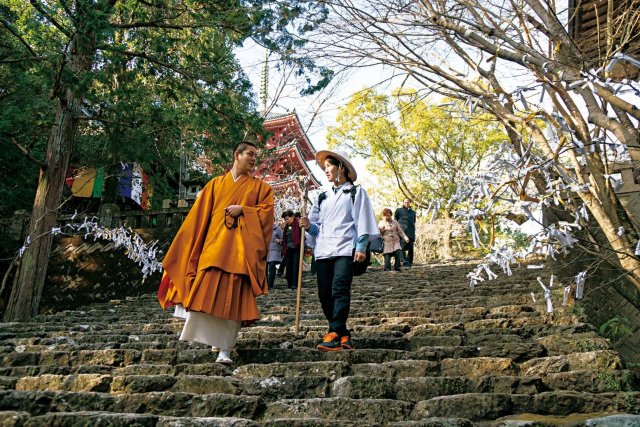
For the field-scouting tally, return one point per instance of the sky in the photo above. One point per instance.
(316, 112)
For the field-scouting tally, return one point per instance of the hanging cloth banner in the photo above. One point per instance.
(133, 184)
(83, 182)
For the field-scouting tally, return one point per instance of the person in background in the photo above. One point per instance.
(291, 248)
(391, 232)
(282, 265)
(342, 222)
(275, 254)
(406, 217)
(216, 265)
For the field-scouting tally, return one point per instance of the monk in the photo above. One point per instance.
(216, 265)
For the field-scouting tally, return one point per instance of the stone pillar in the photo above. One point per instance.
(19, 224)
(107, 213)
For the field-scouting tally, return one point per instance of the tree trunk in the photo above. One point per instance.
(609, 225)
(448, 242)
(31, 273)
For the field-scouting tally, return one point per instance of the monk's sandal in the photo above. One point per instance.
(224, 358)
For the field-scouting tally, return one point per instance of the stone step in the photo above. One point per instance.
(122, 332)
(430, 352)
(340, 410)
(602, 360)
(574, 419)
(416, 388)
(491, 406)
(271, 388)
(110, 419)
(306, 354)
(157, 403)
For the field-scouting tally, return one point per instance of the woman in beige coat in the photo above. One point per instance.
(391, 233)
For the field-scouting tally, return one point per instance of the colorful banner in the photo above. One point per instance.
(132, 183)
(83, 182)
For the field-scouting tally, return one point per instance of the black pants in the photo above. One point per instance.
(407, 251)
(292, 260)
(281, 268)
(313, 264)
(334, 290)
(271, 273)
(397, 255)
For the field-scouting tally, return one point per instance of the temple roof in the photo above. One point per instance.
(287, 129)
(292, 156)
(290, 150)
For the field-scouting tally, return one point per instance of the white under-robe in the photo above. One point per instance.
(180, 311)
(213, 331)
(341, 220)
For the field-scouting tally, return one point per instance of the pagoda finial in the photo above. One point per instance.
(264, 84)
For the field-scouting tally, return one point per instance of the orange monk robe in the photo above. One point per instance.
(204, 244)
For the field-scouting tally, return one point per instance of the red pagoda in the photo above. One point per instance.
(288, 150)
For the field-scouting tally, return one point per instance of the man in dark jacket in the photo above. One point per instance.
(291, 247)
(406, 217)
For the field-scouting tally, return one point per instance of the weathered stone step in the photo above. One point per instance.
(593, 381)
(270, 388)
(110, 357)
(434, 422)
(490, 406)
(574, 420)
(330, 369)
(31, 370)
(421, 335)
(156, 403)
(305, 354)
(110, 419)
(559, 344)
(602, 360)
(416, 388)
(340, 410)
(429, 351)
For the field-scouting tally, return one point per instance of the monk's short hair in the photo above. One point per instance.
(387, 211)
(287, 213)
(241, 146)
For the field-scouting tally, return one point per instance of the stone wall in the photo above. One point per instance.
(82, 271)
(619, 299)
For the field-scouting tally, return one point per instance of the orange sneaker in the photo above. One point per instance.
(330, 342)
(346, 344)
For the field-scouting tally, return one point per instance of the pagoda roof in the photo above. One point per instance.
(300, 160)
(290, 182)
(274, 121)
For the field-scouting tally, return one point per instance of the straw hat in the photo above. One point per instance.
(343, 157)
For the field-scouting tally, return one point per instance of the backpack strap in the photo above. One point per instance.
(353, 190)
(321, 197)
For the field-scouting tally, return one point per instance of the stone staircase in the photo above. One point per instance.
(430, 352)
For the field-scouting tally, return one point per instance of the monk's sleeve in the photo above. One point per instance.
(264, 211)
(181, 262)
(257, 236)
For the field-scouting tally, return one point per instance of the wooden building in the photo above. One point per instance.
(602, 28)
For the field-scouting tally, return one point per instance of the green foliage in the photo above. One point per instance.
(163, 80)
(418, 147)
(608, 381)
(616, 328)
(515, 238)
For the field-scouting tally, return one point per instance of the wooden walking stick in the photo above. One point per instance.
(300, 261)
